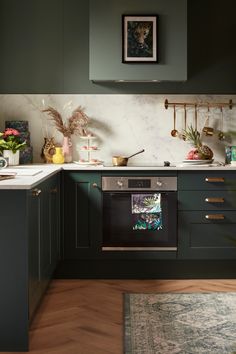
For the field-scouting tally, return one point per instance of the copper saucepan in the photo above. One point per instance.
(121, 160)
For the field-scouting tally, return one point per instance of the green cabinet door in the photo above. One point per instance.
(82, 214)
(44, 218)
(34, 215)
(31, 37)
(54, 221)
(50, 206)
(207, 235)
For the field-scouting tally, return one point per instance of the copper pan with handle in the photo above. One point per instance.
(122, 161)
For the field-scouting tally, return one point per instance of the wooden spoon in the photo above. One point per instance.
(174, 132)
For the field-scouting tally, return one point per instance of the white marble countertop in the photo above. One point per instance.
(28, 181)
(43, 171)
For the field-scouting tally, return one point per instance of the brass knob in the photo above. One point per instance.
(53, 190)
(36, 192)
(214, 200)
(215, 217)
(215, 179)
(94, 185)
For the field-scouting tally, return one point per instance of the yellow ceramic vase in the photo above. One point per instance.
(58, 156)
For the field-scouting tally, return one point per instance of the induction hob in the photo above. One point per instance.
(146, 164)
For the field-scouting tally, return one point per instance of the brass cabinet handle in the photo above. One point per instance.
(215, 217)
(214, 200)
(53, 190)
(36, 192)
(215, 179)
(94, 185)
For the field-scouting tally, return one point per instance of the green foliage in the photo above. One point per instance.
(11, 142)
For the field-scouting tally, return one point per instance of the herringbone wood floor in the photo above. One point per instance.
(86, 316)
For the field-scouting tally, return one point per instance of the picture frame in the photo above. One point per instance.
(139, 39)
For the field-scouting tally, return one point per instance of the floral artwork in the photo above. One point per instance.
(146, 211)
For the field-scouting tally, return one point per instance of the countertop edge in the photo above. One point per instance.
(29, 182)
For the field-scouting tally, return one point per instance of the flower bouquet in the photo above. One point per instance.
(10, 145)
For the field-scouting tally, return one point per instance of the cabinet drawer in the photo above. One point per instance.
(204, 180)
(202, 238)
(207, 200)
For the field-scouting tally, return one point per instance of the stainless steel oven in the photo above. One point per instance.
(139, 213)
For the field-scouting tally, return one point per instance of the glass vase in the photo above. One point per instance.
(67, 149)
(13, 158)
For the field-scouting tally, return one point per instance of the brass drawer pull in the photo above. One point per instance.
(214, 200)
(215, 217)
(36, 192)
(53, 190)
(215, 179)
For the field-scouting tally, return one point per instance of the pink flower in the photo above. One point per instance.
(10, 131)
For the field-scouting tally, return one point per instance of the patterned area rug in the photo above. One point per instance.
(166, 323)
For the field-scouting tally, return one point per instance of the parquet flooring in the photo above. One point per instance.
(86, 316)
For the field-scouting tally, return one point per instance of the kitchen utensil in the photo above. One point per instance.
(174, 131)
(122, 161)
(221, 135)
(195, 116)
(206, 129)
(185, 121)
(185, 117)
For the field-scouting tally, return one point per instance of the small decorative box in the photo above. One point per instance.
(20, 125)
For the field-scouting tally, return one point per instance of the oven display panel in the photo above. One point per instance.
(139, 183)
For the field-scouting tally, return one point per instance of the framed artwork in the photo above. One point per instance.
(139, 39)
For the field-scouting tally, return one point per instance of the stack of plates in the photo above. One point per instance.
(197, 162)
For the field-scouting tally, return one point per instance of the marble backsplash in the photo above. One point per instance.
(124, 124)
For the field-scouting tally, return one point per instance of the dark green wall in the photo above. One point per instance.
(45, 46)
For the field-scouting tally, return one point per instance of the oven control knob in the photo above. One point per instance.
(120, 183)
(159, 183)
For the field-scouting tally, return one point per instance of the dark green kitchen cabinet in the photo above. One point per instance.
(29, 249)
(31, 35)
(82, 216)
(207, 215)
(207, 238)
(44, 242)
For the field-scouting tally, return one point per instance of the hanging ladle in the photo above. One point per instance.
(195, 116)
(185, 121)
(174, 132)
(221, 135)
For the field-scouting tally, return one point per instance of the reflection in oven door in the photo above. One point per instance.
(118, 223)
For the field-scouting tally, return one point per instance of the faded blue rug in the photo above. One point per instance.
(194, 323)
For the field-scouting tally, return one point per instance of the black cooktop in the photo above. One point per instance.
(148, 164)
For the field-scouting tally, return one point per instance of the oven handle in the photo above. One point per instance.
(106, 248)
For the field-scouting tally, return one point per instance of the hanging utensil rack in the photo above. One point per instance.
(195, 106)
(198, 105)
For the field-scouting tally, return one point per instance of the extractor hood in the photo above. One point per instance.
(105, 45)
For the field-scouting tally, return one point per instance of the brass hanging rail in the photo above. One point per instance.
(196, 105)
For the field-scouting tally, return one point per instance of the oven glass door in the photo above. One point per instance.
(118, 222)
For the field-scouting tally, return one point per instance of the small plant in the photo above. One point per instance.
(10, 140)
